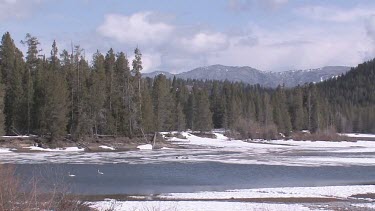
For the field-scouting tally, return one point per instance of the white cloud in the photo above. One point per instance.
(137, 28)
(175, 48)
(205, 42)
(16, 8)
(298, 48)
(335, 14)
(150, 61)
(244, 5)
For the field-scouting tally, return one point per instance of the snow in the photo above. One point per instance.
(358, 135)
(107, 147)
(5, 150)
(21, 136)
(223, 142)
(221, 200)
(145, 147)
(67, 149)
(193, 206)
(220, 149)
(365, 205)
(284, 192)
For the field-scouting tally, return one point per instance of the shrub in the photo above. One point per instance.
(248, 129)
(15, 195)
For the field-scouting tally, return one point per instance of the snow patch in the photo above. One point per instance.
(67, 149)
(5, 150)
(145, 147)
(107, 147)
(358, 135)
(284, 192)
(193, 206)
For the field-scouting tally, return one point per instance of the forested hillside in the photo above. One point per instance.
(61, 93)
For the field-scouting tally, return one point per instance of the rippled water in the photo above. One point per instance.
(191, 177)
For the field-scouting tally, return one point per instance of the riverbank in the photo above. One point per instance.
(99, 144)
(166, 140)
(287, 198)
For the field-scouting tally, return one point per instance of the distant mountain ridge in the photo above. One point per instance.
(254, 76)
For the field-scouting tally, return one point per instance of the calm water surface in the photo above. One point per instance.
(189, 177)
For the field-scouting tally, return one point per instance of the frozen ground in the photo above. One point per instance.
(359, 135)
(341, 192)
(67, 149)
(236, 199)
(194, 206)
(221, 149)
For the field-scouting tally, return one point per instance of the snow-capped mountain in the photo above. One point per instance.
(253, 76)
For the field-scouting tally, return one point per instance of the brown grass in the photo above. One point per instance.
(247, 129)
(15, 195)
(321, 135)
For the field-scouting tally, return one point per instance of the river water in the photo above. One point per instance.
(188, 177)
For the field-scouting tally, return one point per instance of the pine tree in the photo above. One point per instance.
(137, 98)
(296, 109)
(147, 109)
(98, 94)
(31, 69)
(109, 71)
(313, 109)
(202, 114)
(217, 106)
(2, 118)
(12, 68)
(280, 111)
(180, 121)
(163, 104)
(56, 98)
(82, 123)
(122, 106)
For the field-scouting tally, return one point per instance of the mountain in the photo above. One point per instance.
(294, 77)
(253, 76)
(156, 73)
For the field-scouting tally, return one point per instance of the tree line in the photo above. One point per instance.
(62, 93)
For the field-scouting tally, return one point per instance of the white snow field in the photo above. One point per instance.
(193, 206)
(107, 147)
(359, 135)
(219, 149)
(220, 200)
(145, 147)
(67, 149)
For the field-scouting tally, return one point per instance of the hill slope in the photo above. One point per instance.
(253, 76)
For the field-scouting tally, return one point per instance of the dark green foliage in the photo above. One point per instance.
(12, 69)
(163, 104)
(2, 119)
(202, 119)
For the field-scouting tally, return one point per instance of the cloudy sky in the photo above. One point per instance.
(179, 35)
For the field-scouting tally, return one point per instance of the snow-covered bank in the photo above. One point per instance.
(107, 147)
(5, 150)
(67, 149)
(358, 135)
(341, 192)
(236, 199)
(145, 147)
(192, 206)
(220, 149)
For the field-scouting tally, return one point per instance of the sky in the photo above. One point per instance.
(179, 35)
